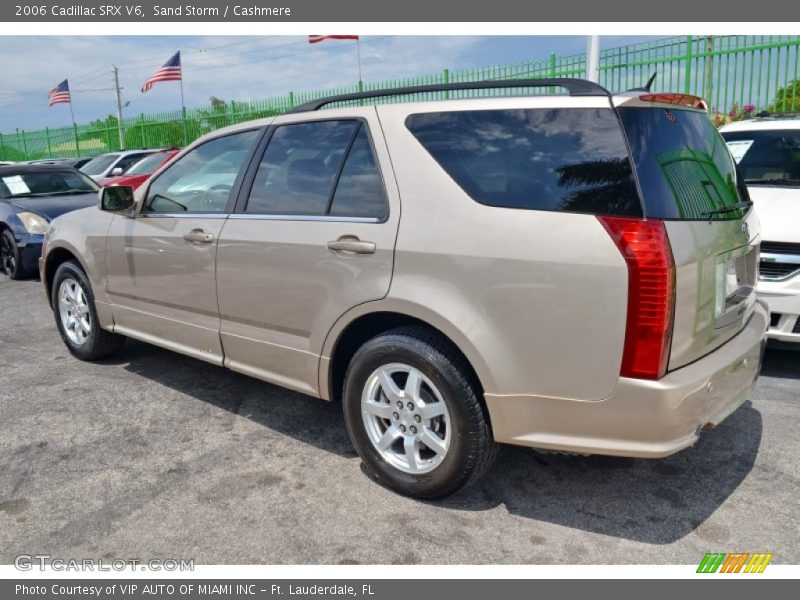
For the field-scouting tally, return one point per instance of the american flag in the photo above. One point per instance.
(59, 94)
(313, 39)
(171, 71)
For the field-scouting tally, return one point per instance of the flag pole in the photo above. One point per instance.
(358, 54)
(74, 125)
(183, 109)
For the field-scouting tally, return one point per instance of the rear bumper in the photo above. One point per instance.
(783, 298)
(648, 419)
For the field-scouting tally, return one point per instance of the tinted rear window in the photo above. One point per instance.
(683, 164)
(572, 160)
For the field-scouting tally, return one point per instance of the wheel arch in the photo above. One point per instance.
(371, 319)
(54, 259)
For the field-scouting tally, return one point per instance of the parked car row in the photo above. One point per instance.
(575, 273)
(33, 193)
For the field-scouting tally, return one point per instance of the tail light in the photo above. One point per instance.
(651, 294)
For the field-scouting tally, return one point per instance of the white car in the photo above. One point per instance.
(113, 163)
(767, 151)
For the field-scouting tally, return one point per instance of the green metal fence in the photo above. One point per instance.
(727, 70)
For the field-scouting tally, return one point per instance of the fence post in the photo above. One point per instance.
(689, 49)
(446, 79)
(291, 100)
(233, 112)
(47, 137)
(24, 145)
(141, 125)
(2, 147)
(552, 69)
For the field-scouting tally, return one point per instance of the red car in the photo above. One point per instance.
(138, 173)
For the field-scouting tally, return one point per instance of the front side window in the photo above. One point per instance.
(201, 181)
(572, 160)
(317, 169)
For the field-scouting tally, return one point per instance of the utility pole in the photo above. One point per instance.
(593, 58)
(119, 109)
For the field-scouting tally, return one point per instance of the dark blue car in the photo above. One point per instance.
(30, 197)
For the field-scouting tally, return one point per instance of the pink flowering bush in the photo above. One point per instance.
(734, 114)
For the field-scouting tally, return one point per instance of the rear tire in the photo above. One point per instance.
(414, 416)
(11, 257)
(72, 300)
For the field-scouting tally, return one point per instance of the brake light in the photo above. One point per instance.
(651, 294)
(681, 99)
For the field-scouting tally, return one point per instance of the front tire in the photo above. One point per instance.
(414, 416)
(76, 317)
(11, 257)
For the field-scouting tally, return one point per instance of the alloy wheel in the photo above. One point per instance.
(73, 307)
(7, 255)
(406, 418)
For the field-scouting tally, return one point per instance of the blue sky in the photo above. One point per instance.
(233, 67)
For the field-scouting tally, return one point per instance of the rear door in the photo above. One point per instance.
(313, 236)
(689, 179)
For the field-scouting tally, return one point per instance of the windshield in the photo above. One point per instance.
(45, 183)
(147, 165)
(767, 157)
(99, 164)
(684, 168)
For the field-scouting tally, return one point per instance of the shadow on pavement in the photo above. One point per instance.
(652, 501)
(783, 362)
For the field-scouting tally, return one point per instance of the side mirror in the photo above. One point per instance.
(117, 199)
(115, 172)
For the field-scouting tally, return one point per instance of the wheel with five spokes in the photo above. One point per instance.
(76, 316)
(414, 415)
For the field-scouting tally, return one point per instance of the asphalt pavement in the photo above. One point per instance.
(156, 455)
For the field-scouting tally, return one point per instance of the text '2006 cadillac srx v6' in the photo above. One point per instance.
(567, 272)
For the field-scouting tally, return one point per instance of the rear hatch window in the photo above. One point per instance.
(684, 167)
(572, 160)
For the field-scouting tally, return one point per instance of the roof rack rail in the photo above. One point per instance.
(575, 87)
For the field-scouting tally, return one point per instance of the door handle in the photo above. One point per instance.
(350, 244)
(198, 236)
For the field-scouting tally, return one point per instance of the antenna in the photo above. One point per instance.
(647, 86)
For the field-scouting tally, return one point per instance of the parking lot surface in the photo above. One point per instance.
(155, 455)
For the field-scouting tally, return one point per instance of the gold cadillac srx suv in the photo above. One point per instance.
(572, 272)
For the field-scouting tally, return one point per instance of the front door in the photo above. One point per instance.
(161, 264)
(313, 238)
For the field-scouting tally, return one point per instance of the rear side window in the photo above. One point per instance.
(572, 160)
(359, 192)
(318, 168)
(684, 167)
